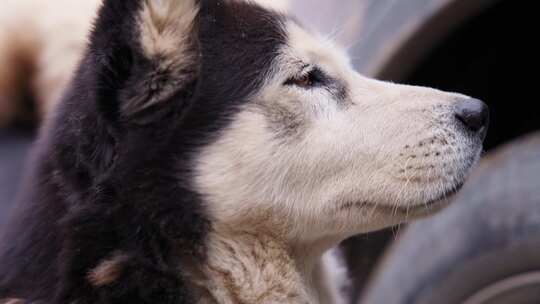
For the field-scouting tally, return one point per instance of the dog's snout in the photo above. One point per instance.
(473, 113)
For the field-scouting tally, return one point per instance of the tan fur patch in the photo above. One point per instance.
(246, 267)
(108, 271)
(165, 27)
(167, 38)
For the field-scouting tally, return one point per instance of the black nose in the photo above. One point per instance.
(473, 113)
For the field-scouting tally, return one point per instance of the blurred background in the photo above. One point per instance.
(485, 248)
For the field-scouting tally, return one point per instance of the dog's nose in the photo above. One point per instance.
(473, 113)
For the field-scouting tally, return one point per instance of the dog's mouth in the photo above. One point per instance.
(426, 208)
(431, 206)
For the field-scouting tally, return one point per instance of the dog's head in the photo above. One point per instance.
(277, 129)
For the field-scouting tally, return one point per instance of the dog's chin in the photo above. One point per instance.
(430, 207)
(414, 211)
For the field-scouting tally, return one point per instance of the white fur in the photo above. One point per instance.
(332, 278)
(361, 164)
(279, 5)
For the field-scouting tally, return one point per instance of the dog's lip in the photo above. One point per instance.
(435, 204)
(428, 207)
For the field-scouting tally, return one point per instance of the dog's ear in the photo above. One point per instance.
(144, 52)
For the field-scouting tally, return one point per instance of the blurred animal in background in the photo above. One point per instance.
(41, 43)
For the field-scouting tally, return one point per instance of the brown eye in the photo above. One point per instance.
(302, 81)
(307, 80)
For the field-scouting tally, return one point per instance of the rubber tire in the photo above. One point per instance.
(490, 233)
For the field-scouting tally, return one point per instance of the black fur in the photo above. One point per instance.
(104, 179)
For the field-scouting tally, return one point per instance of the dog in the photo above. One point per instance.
(38, 56)
(212, 151)
(41, 44)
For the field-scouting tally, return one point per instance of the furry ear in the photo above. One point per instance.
(145, 52)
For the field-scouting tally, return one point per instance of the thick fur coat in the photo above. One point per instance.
(212, 151)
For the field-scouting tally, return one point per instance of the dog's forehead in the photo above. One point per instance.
(243, 38)
(309, 47)
(239, 42)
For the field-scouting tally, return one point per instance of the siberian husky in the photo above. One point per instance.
(212, 151)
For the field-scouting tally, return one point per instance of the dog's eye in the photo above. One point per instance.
(306, 80)
(301, 81)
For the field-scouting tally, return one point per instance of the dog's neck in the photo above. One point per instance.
(247, 267)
